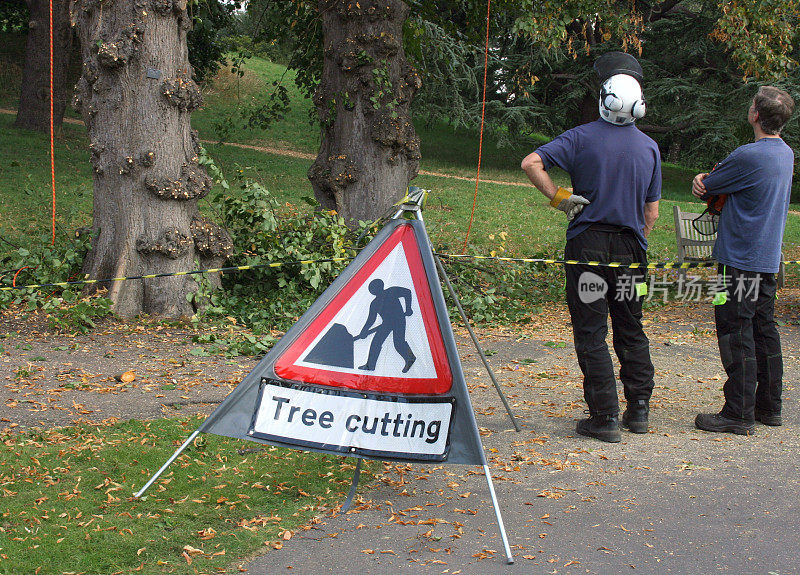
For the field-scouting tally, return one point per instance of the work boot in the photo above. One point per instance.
(635, 416)
(768, 418)
(719, 423)
(602, 427)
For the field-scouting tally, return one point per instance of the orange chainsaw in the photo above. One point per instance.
(714, 204)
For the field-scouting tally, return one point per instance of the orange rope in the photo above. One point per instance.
(14, 281)
(52, 131)
(483, 116)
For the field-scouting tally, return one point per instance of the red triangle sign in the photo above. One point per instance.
(380, 332)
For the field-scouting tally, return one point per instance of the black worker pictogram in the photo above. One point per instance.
(393, 313)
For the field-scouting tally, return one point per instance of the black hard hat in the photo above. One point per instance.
(612, 63)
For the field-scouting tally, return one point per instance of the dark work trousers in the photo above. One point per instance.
(749, 344)
(589, 311)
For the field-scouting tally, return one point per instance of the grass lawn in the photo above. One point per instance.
(68, 505)
(25, 189)
(533, 228)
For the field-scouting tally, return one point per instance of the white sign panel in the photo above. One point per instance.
(352, 423)
(394, 341)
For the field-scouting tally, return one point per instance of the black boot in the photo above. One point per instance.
(719, 423)
(768, 418)
(635, 416)
(602, 427)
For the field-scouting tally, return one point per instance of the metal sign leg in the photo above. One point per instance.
(453, 294)
(497, 513)
(158, 473)
(351, 495)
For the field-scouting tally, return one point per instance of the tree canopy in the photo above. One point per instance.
(703, 62)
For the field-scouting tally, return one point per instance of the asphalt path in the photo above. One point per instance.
(676, 500)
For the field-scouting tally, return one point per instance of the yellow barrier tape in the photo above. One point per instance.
(549, 261)
(171, 274)
(635, 265)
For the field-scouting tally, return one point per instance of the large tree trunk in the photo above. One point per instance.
(34, 101)
(369, 150)
(136, 95)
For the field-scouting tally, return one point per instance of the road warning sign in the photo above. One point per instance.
(380, 331)
(371, 369)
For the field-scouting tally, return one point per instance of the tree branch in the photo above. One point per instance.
(651, 129)
(661, 10)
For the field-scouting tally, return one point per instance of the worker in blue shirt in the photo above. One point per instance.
(757, 180)
(616, 180)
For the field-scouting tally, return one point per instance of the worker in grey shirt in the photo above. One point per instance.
(757, 180)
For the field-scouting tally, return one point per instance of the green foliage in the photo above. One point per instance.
(295, 26)
(272, 298)
(41, 263)
(49, 264)
(14, 16)
(78, 315)
(265, 234)
(694, 80)
(495, 291)
(205, 40)
(284, 32)
(760, 36)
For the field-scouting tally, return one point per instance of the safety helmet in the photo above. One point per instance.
(621, 102)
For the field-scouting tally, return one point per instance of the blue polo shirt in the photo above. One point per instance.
(758, 177)
(616, 168)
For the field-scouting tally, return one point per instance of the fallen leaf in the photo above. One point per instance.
(126, 376)
(193, 551)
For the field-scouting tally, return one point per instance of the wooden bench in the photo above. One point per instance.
(695, 235)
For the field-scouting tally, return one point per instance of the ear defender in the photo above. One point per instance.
(611, 102)
(638, 109)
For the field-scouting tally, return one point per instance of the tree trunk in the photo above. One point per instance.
(369, 150)
(589, 110)
(34, 101)
(136, 95)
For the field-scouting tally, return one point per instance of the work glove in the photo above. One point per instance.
(568, 202)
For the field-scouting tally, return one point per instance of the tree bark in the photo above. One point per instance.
(34, 101)
(136, 96)
(369, 150)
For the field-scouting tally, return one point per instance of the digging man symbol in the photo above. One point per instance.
(393, 315)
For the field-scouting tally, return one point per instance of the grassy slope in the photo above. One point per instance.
(533, 228)
(25, 189)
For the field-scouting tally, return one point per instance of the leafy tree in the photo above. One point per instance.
(210, 19)
(702, 62)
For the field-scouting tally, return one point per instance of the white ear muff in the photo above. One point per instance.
(612, 102)
(638, 109)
